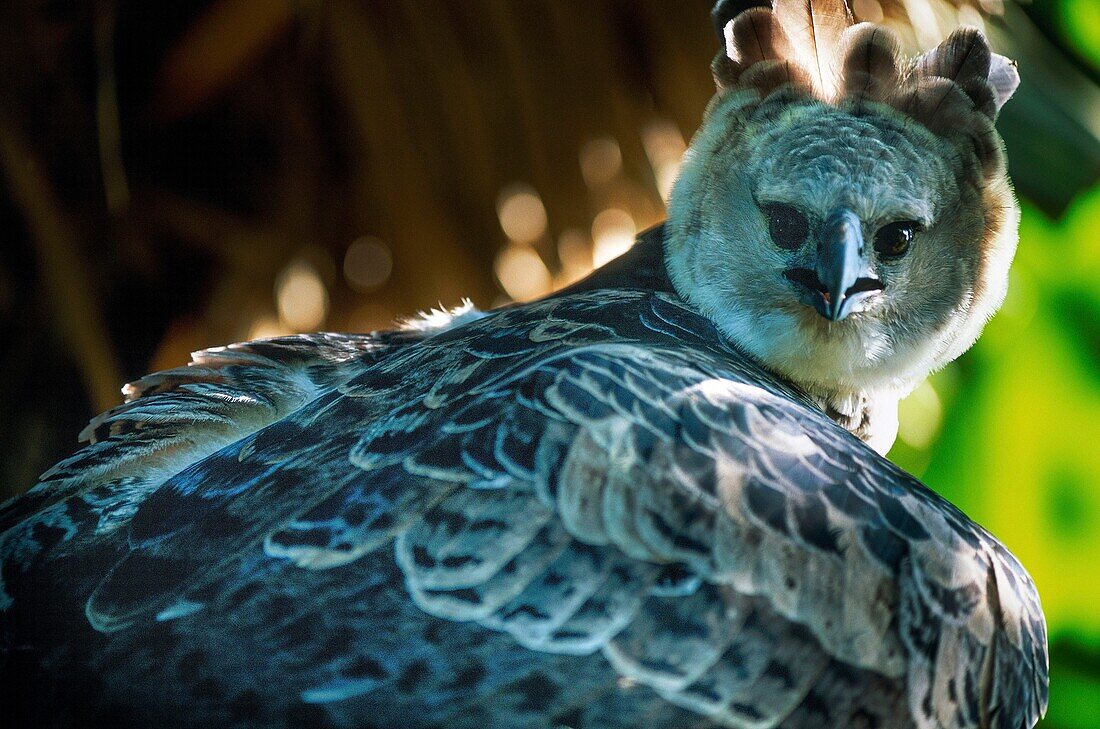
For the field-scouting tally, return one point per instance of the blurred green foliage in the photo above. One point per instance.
(1080, 24)
(1018, 446)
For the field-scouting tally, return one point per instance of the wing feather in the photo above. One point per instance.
(642, 509)
(800, 515)
(169, 421)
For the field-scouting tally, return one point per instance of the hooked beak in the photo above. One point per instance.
(840, 277)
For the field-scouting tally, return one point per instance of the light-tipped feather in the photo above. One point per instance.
(814, 28)
(1003, 79)
(755, 36)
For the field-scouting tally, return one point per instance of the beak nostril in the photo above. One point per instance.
(807, 278)
(863, 284)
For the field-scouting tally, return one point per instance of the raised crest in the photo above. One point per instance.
(814, 48)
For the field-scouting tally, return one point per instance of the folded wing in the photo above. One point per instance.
(601, 480)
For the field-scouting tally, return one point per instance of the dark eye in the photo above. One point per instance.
(787, 227)
(892, 240)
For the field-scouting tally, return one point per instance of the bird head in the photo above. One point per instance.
(844, 214)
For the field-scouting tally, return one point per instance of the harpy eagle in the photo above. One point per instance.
(652, 499)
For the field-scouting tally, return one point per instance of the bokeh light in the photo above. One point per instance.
(868, 11)
(367, 264)
(920, 415)
(301, 297)
(521, 213)
(601, 161)
(522, 273)
(575, 255)
(665, 147)
(613, 233)
(267, 326)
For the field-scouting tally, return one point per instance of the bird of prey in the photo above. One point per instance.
(652, 499)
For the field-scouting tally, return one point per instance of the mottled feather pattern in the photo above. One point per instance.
(589, 511)
(172, 419)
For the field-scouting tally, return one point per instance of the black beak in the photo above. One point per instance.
(837, 281)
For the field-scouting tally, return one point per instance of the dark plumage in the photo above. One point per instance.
(604, 514)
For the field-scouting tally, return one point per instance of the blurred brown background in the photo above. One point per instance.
(181, 175)
(178, 175)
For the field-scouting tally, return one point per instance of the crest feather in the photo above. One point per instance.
(755, 36)
(768, 76)
(946, 109)
(726, 10)
(963, 57)
(812, 48)
(1004, 78)
(966, 59)
(814, 28)
(870, 69)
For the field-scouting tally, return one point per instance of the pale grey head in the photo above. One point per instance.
(842, 215)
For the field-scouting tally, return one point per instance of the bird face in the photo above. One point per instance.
(841, 200)
(847, 248)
